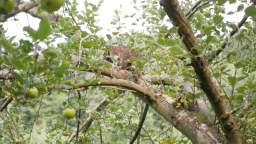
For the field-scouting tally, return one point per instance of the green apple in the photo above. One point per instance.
(51, 5)
(7, 6)
(69, 113)
(33, 92)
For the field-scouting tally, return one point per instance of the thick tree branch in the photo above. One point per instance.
(198, 106)
(124, 74)
(200, 66)
(196, 131)
(181, 119)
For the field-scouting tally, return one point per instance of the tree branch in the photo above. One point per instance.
(196, 131)
(215, 53)
(140, 125)
(5, 103)
(86, 125)
(79, 115)
(181, 119)
(200, 66)
(196, 7)
(122, 74)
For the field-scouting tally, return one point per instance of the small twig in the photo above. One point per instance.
(194, 7)
(214, 54)
(6, 103)
(15, 126)
(148, 135)
(233, 88)
(101, 138)
(79, 115)
(10, 129)
(72, 16)
(140, 125)
(198, 8)
(36, 117)
(86, 125)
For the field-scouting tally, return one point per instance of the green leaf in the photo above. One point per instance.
(109, 36)
(232, 1)
(240, 7)
(26, 46)
(232, 80)
(44, 29)
(167, 42)
(50, 53)
(18, 64)
(31, 32)
(176, 51)
(221, 1)
(217, 19)
(251, 11)
(6, 44)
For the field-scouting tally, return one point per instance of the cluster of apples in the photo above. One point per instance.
(7, 6)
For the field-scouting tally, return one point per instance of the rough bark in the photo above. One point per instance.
(200, 66)
(181, 119)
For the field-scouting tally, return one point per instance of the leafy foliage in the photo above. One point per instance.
(64, 50)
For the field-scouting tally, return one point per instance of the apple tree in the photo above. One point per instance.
(163, 71)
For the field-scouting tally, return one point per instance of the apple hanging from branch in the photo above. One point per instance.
(7, 6)
(69, 113)
(33, 92)
(51, 5)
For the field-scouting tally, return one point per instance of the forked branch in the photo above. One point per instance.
(201, 68)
